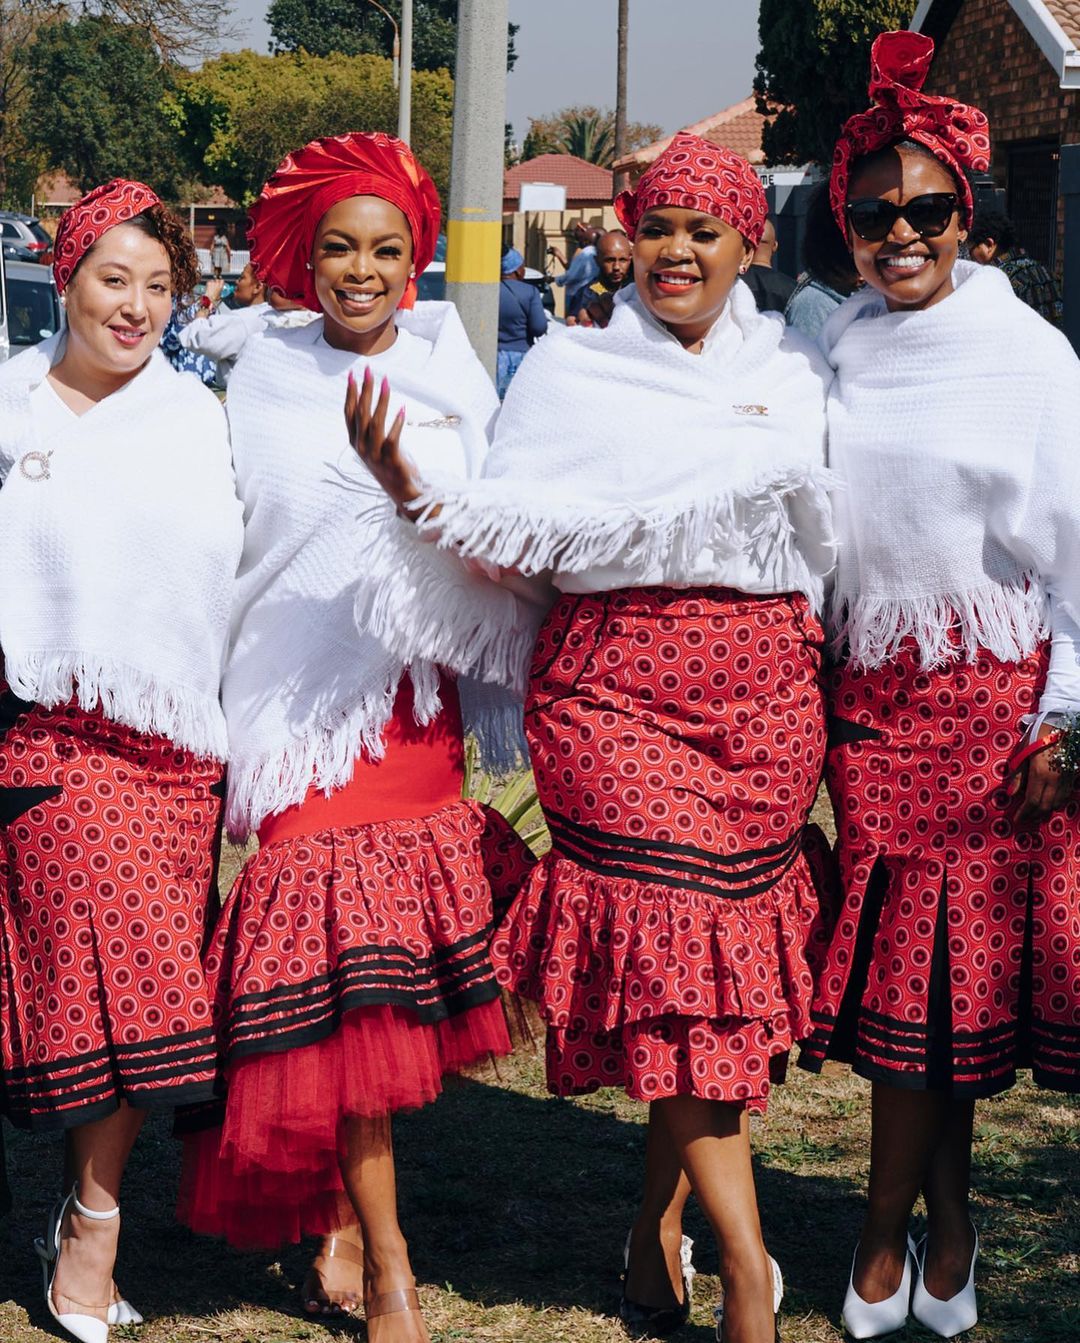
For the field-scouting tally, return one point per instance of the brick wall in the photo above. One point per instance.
(988, 58)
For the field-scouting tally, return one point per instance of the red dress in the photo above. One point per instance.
(109, 845)
(677, 739)
(955, 958)
(350, 972)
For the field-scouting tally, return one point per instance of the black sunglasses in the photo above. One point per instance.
(872, 219)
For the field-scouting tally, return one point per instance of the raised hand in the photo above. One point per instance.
(379, 450)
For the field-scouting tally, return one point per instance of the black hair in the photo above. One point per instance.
(992, 224)
(825, 254)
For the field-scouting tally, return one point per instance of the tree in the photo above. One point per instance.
(355, 28)
(588, 132)
(20, 163)
(94, 107)
(176, 28)
(237, 117)
(814, 65)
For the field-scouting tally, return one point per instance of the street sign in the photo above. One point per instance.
(541, 196)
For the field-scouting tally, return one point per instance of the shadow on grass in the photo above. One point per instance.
(509, 1197)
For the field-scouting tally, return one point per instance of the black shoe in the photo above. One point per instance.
(658, 1321)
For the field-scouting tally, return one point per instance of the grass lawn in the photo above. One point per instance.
(516, 1205)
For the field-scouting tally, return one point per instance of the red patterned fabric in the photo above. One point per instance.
(677, 739)
(308, 182)
(94, 215)
(955, 958)
(957, 135)
(695, 174)
(350, 974)
(106, 867)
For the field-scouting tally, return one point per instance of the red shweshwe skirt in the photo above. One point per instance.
(109, 845)
(955, 957)
(677, 738)
(351, 972)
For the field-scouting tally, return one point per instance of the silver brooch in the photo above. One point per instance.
(35, 465)
(750, 410)
(444, 422)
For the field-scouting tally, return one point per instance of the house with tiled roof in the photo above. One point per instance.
(1019, 60)
(587, 185)
(738, 127)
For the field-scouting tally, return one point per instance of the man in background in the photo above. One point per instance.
(615, 256)
(522, 319)
(992, 242)
(771, 288)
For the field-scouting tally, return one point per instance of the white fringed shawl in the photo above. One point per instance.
(618, 445)
(954, 431)
(308, 686)
(116, 572)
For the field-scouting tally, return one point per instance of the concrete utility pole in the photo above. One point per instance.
(621, 180)
(404, 112)
(474, 225)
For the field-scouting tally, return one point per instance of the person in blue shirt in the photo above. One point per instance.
(522, 319)
(584, 267)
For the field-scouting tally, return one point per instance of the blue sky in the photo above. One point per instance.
(688, 58)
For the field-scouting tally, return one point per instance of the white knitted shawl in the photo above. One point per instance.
(954, 431)
(308, 686)
(618, 444)
(116, 570)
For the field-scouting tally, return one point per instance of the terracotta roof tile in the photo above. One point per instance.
(737, 127)
(1067, 13)
(585, 182)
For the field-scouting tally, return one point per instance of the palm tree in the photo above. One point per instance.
(589, 137)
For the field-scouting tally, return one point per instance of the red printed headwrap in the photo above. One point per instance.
(88, 219)
(307, 183)
(957, 135)
(695, 174)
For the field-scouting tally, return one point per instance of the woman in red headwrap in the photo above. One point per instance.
(955, 958)
(120, 533)
(674, 710)
(351, 967)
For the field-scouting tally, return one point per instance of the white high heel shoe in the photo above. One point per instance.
(951, 1317)
(121, 1311)
(85, 1328)
(871, 1319)
(777, 1301)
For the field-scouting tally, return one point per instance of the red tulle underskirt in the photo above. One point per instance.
(271, 1174)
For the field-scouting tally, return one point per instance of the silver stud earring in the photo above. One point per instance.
(310, 265)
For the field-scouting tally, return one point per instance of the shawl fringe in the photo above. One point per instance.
(421, 603)
(1008, 619)
(326, 755)
(492, 520)
(124, 694)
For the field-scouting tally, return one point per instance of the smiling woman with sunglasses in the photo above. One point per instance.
(955, 958)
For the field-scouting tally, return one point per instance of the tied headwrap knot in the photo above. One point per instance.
(957, 135)
(91, 217)
(695, 174)
(308, 182)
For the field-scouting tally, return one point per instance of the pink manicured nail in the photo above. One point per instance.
(385, 386)
(367, 373)
(352, 379)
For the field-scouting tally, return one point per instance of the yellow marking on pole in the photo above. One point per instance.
(473, 251)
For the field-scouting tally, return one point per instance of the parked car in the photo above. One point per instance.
(23, 238)
(33, 305)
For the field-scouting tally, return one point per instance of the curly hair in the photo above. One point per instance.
(159, 222)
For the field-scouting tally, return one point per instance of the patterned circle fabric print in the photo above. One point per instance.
(956, 955)
(956, 134)
(106, 869)
(90, 218)
(677, 740)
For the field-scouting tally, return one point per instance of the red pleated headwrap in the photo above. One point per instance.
(307, 183)
(695, 174)
(94, 215)
(957, 135)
